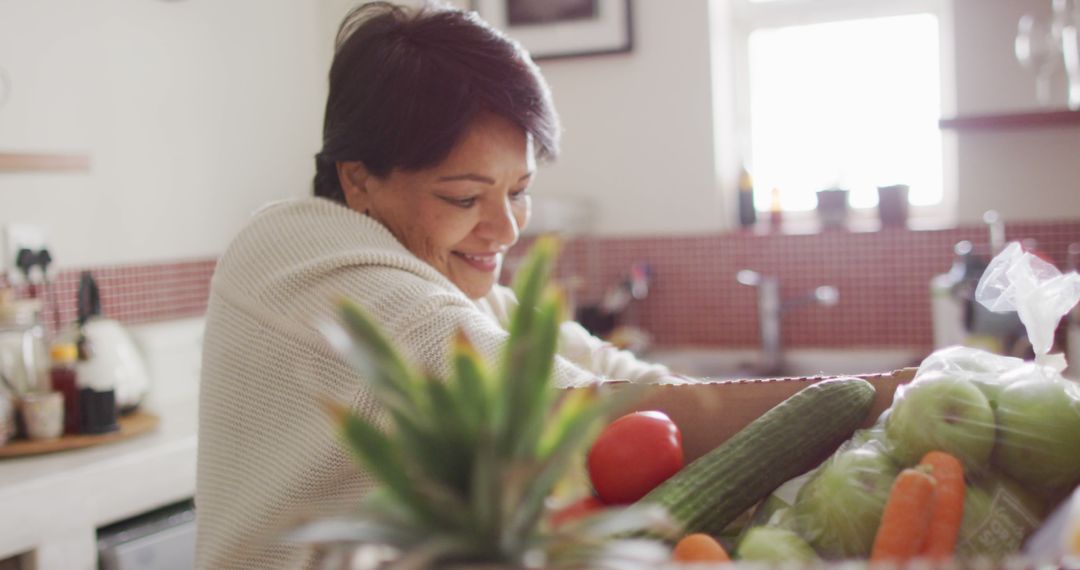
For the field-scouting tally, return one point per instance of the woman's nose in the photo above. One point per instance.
(500, 224)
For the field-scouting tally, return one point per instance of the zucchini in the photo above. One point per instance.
(786, 441)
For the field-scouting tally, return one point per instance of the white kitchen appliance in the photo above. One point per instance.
(112, 360)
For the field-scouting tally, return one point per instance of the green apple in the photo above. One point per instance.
(999, 515)
(945, 413)
(774, 545)
(986, 370)
(1039, 433)
(839, 509)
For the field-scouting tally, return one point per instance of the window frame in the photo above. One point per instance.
(743, 17)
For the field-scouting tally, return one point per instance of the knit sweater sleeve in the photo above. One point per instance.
(424, 329)
(580, 348)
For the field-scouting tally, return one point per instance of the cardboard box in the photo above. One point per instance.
(709, 413)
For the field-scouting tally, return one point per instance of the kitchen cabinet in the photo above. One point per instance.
(63, 498)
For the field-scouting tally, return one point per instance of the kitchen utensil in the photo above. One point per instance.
(112, 362)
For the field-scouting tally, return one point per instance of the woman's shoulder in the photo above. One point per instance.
(305, 241)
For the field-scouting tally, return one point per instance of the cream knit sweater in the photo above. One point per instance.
(267, 455)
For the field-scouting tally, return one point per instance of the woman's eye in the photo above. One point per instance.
(519, 194)
(461, 202)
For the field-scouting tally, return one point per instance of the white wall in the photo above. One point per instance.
(193, 113)
(1026, 174)
(638, 127)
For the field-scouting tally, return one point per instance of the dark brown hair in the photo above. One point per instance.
(405, 84)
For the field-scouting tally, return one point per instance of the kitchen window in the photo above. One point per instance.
(842, 93)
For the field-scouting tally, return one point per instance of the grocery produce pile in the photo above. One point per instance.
(968, 462)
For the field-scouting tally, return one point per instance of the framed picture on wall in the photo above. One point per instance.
(562, 28)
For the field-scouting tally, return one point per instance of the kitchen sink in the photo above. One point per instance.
(728, 364)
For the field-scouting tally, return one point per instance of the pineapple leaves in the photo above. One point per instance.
(372, 354)
(571, 431)
(474, 385)
(375, 450)
(469, 463)
(530, 352)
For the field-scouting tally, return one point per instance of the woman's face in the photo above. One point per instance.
(461, 215)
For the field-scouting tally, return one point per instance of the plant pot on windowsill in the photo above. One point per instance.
(832, 208)
(893, 205)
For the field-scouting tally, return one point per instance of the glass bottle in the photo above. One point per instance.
(24, 365)
(776, 211)
(62, 374)
(747, 211)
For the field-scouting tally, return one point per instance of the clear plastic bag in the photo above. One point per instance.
(1013, 425)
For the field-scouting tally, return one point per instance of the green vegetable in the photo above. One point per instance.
(775, 545)
(786, 441)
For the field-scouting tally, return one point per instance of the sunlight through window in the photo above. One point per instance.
(851, 104)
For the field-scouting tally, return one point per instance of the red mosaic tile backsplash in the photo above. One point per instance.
(883, 279)
(131, 293)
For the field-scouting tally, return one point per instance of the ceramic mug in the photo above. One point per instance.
(43, 414)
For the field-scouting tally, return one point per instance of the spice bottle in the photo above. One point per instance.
(747, 211)
(776, 211)
(63, 377)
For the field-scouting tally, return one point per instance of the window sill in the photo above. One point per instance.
(806, 223)
(996, 121)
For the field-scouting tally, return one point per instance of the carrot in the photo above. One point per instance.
(906, 519)
(948, 509)
(699, 547)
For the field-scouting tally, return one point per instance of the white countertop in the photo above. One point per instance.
(52, 504)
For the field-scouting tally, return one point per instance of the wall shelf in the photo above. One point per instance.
(1055, 118)
(43, 162)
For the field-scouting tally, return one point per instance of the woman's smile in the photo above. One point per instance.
(484, 262)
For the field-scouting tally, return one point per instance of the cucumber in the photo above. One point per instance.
(786, 441)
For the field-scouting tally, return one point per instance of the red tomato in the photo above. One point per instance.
(633, 455)
(576, 510)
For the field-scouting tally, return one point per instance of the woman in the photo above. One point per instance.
(434, 123)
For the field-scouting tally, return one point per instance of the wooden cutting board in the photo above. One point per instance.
(131, 425)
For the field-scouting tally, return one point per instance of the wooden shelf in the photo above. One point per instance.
(42, 162)
(1057, 118)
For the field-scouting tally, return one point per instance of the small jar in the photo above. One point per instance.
(43, 413)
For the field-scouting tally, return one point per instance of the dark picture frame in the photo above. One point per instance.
(551, 29)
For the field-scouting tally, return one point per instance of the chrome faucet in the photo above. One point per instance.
(771, 310)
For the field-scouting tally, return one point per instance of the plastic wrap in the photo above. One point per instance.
(1013, 425)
